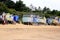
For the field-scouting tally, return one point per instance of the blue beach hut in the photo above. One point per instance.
(16, 18)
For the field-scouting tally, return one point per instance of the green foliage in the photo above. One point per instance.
(3, 7)
(19, 6)
(10, 4)
(12, 11)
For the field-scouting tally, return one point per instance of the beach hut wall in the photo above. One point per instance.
(35, 20)
(55, 21)
(8, 16)
(27, 19)
(42, 20)
(0, 16)
(59, 20)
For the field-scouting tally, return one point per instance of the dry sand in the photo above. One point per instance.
(29, 32)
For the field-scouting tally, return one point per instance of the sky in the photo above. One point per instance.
(52, 4)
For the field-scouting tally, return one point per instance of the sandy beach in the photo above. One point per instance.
(29, 32)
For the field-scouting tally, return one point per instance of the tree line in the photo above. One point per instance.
(20, 8)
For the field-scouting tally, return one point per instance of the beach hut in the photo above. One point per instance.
(42, 20)
(55, 21)
(49, 21)
(9, 18)
(16, 18)
(59, 20)
(1, 20)
(4, 17)
(27, 19)
(36, 19)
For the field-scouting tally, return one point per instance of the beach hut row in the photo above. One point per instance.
(30, 19)
(36, 19)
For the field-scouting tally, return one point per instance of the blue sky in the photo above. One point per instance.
(52, 4)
